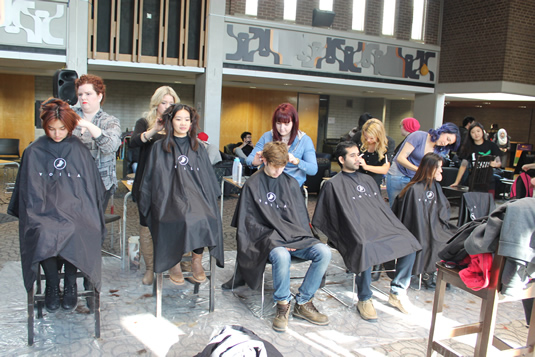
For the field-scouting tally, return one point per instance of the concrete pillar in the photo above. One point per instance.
(77, 23)
(429, 110)
(209, 85)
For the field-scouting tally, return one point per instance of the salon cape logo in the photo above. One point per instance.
(183, 160)
(430, 195)
(60, 164)
(361, 189)
(271, 196)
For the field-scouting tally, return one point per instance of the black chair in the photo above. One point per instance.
(480, 179)
(313, 183)
(449, 174)
(229, 149)
(9, 149)
(37, 297)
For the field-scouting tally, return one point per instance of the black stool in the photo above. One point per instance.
(39, 298)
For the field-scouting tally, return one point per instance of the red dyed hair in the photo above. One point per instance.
(285, 113)
(96, 81)
(56, 109)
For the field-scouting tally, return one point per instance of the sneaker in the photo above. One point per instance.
(395, 301)
(280, 322)
(70, 297)
(52, 301)
(367, 311)
(308, 312)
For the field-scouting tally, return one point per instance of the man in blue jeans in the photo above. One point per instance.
(272, 224)
(361, 226)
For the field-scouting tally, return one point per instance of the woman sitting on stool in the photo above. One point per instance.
(58, 199)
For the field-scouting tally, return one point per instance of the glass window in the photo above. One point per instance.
(326, 5)
(359, 14)
(418, 19)
(290, 8)
(251, 7)
(389, 17)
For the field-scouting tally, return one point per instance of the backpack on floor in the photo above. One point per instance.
(522, 186)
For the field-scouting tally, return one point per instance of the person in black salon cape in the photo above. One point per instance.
(58, 199)
(422, 207)
(361, 226)
(178, 196)
(272, 224)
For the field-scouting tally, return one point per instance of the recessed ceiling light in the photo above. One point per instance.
(522, 106)
(287, 84)
(491, 96)
(486, 103)
(178, 82)
(479, 106)
(252, 87)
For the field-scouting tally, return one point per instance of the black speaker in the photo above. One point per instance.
(63, 86)
(322, 18)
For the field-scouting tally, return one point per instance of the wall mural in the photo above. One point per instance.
(34, 24)
(290, 50)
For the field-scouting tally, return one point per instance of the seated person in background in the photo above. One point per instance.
(213, 152)
(244, 148)
(57, 177)
(361, 226)
(422, 207)
(272, 224)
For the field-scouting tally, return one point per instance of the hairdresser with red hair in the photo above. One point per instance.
(98, 130)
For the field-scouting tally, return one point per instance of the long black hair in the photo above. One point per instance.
(167, 118)
(469, 144)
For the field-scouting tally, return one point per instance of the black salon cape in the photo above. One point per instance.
(179, 198)
(425, 212)
(270, 213)
(359, 224)
(58, 199)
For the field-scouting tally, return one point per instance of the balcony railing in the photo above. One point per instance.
(171, 32)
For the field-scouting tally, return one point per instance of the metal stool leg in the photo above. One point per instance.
(159, 285)
(30, 317)
(97, 313)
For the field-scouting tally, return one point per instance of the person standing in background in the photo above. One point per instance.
(504, 144)
(407, 126)
(467, 121)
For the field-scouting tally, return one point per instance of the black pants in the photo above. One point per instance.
(51, 266)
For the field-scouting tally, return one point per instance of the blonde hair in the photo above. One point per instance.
(374, 127)
(152, 114)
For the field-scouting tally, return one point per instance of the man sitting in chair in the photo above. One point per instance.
(361, 226)
(245, 147)
(273, 224)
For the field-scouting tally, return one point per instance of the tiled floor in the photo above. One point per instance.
(129, 326)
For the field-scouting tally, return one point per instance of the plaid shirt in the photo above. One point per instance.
(104, 148)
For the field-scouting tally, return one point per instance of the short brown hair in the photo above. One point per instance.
(56, 109)
(276, 153)
(96, 81)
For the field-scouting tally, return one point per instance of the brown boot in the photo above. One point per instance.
(147, 250)
(198, 270)
(175, 275)
(186, 267)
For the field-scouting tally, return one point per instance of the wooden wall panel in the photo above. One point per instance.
(246, 109)
(309, 106)
(17, 111)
